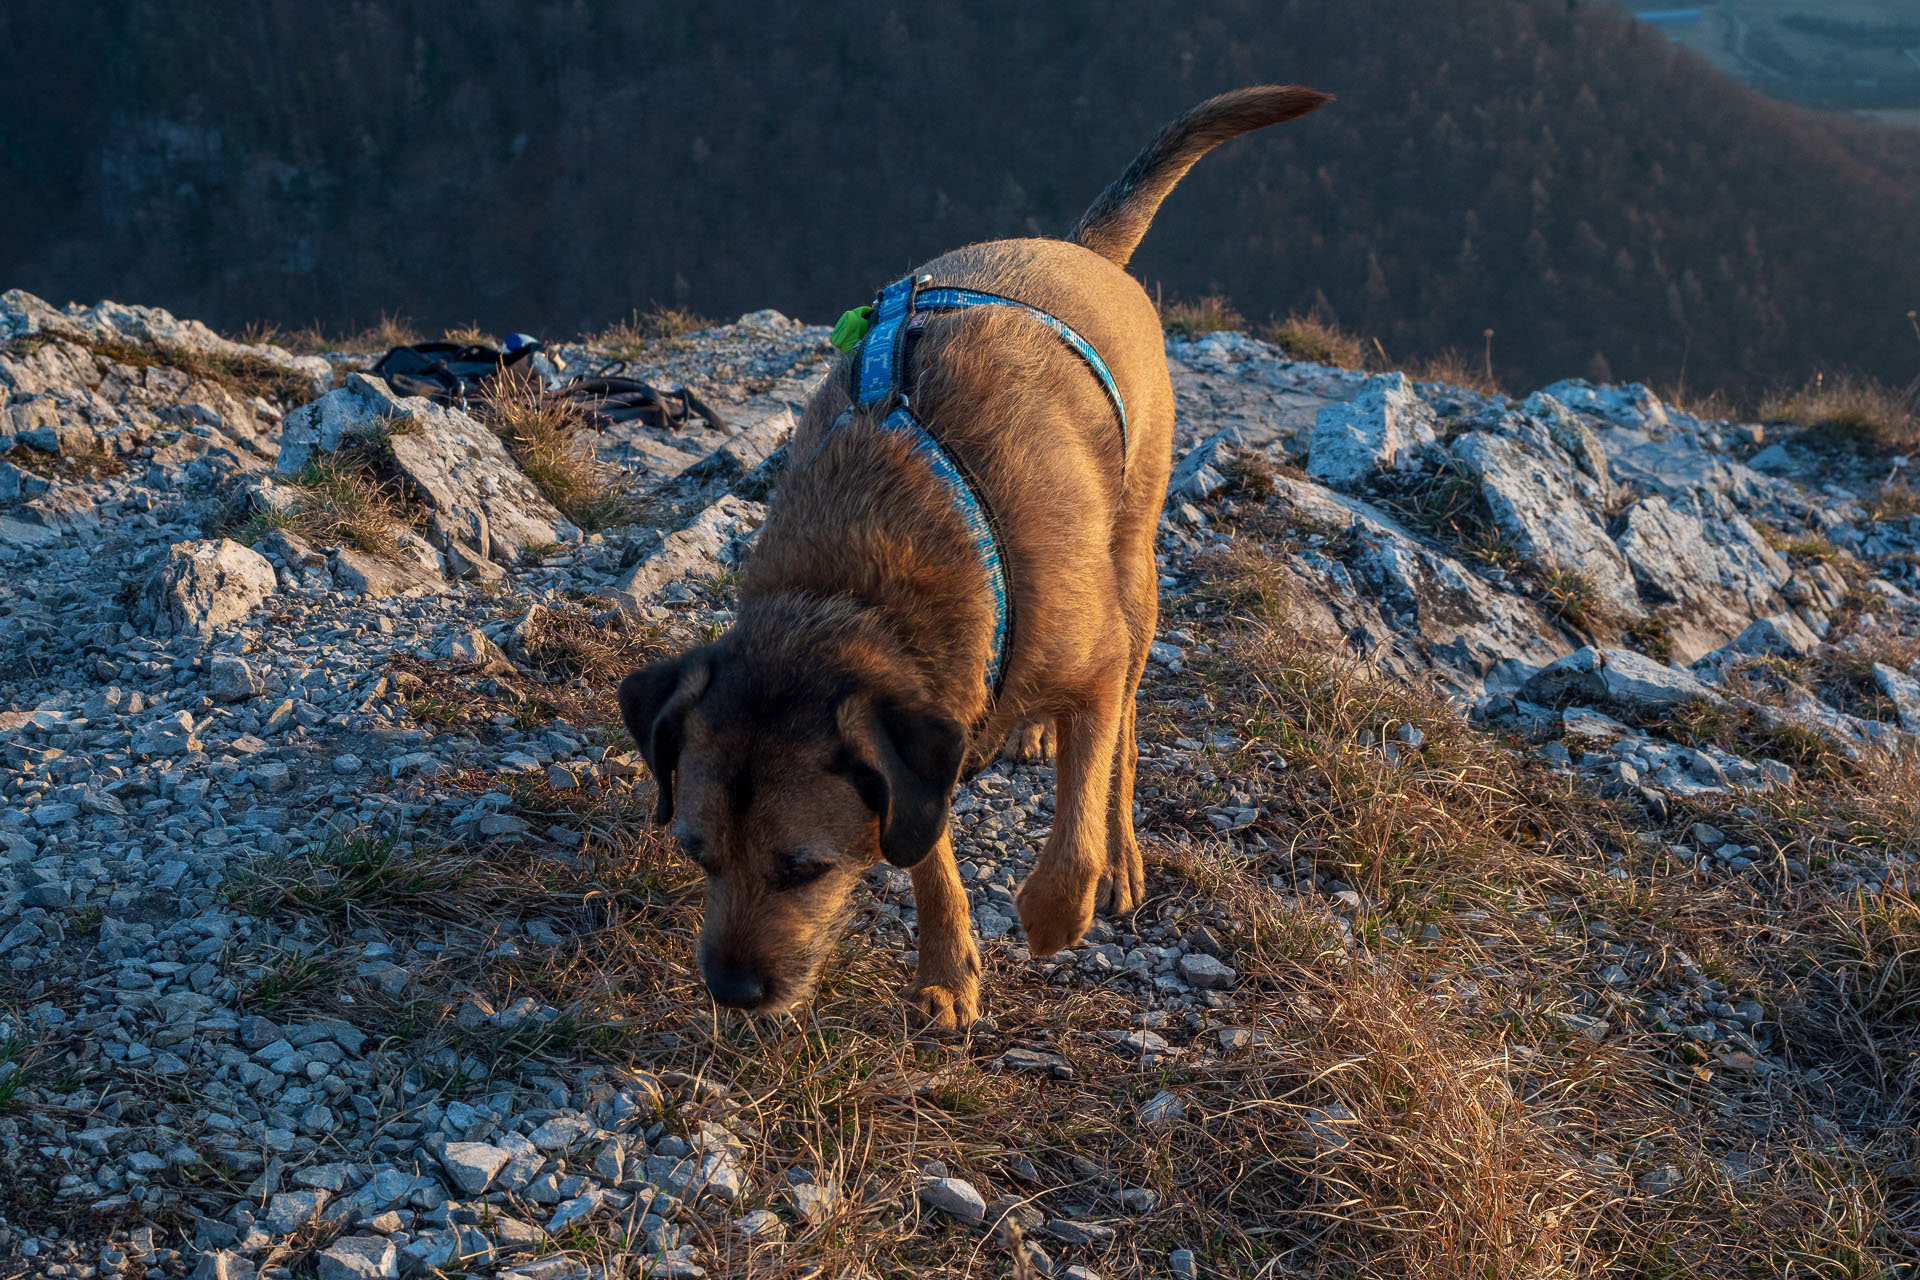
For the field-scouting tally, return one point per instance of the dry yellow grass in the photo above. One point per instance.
(1458, 370)
(640, 332)
(1206, 315)
(1433, 1083)
(1850, 412)
(1308, 337)
(550, 440)
(341, 500)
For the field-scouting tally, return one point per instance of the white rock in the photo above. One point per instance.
(954, 1197)
(205, 586)
(1329, 1126)
(762, 1225)
(812, 1202)
(1162, 1111)
(1537, 511)
(570, 1211)
(21, 313)
(233, 680)
(1780, 635)
(472, 1165)
(170, 735)
(1380, 429)
(360, 1258)
(1618, 674)
(562, 1132)
(459, 469)
(1203, 971)
(1903, 691)
(1701, 554)
(362, 573)
(714, 542)
(1631, 405)
(222, 1264)
(288, 1211)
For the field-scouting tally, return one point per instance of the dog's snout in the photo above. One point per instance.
(738, 985)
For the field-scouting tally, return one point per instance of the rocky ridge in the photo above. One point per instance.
(189, 715)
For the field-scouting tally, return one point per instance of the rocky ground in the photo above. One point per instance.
(1526, 748)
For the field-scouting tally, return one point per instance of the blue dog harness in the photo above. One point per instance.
(878, 363)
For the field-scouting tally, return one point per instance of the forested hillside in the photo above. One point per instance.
(1604, 202)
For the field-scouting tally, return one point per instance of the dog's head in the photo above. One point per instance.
(785, 780)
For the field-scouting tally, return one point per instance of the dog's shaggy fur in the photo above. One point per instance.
(829, 726)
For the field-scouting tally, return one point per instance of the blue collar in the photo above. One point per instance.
(878, 378)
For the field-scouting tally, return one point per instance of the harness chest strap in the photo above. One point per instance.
(877, 367)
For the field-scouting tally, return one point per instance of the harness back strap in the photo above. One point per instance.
(878, 376)
(947, 299)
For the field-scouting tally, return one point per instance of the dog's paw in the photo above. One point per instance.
(1029, 743)
(1123, 885)
(1054, 915)
(947, 1006)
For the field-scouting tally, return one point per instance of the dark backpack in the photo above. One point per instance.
(451, 373)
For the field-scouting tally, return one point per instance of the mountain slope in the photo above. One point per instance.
(1550, 170)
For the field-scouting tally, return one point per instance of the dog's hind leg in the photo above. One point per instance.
(1056, 902)
(1123, 884)
(946, 986)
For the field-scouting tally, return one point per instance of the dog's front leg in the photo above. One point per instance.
(1056, 902)
(946, 986)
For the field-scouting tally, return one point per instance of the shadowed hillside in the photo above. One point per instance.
(1604, 202)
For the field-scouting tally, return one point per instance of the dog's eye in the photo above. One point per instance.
(794, 870)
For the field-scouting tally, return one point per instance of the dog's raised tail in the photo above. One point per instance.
(1114, 226)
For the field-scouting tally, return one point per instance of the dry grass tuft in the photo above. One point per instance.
(1304, 336)
(245, 374)
(567, 661)
(551, 441)
(640, 333)
(1895, 500)
(1456, 369)
(1208, 315)
(1848, 412)
(1573, 597)
(342, 500)
(95, 462)
(469, 335)
(390, 331)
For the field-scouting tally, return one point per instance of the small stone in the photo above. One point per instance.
(762, 1225)
(216, 1264)
(955, 1197)
(1328, 1126)
(1081, 1233)
(812, 1202)
(472, 1165)
(570, 1211)
(562, 1131)
(288, 1211)
(346, 763)
(1162, 1111)
(1203, 971)
(1139, 1199)
(1658, 1182)
(360, 1258)
(1183, 1264)
(233, 679)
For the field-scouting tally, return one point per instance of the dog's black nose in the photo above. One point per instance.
(733, 985)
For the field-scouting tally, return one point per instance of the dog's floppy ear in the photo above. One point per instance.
(904, 764)
(654, 702)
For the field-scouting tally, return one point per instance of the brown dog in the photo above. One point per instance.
(828, 728)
